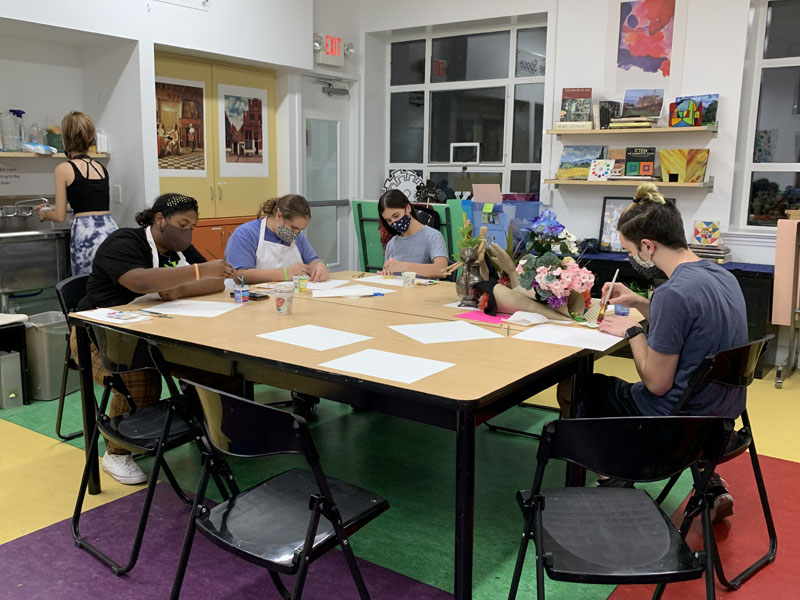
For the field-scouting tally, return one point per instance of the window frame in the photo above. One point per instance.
(755, 63)
(504, 166)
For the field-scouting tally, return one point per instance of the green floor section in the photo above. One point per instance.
(412, 466)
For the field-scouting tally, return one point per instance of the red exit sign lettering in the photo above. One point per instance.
(333, 46)
(332, 51)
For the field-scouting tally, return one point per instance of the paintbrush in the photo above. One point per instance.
(601, 315)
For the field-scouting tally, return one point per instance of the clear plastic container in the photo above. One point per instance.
(12, 126)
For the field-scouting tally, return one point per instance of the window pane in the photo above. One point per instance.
(525, 182)
(470, 57)
(459, 181)
(408, 62)
(771, 194)
(527, 128)
(778, 129)
(468, 116)
(781, 38)
(531, 49)
(406, 135)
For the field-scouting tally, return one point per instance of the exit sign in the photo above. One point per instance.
(332, 52)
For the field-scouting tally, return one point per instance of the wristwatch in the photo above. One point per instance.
(632, 332)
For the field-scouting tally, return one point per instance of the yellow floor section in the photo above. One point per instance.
(40, 481)
(774, 414)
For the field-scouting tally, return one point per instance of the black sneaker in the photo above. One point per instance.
(722, 501)
(722, 507)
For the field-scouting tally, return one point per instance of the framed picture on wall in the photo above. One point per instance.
(243, 148)
(609, 236)
(180, 127)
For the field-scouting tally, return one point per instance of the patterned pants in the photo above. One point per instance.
(145, 386)
(86, 235)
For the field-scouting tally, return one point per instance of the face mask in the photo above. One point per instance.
(175, 238)
(646, 268)
(286, 234)
(402, 224)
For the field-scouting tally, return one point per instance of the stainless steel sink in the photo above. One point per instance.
(33, 254)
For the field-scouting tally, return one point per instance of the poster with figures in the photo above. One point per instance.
(180, 127)
(243, 146)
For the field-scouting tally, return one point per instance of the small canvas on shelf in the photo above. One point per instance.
(706, 233)
(686, 113)
(577, 160)
(710, 103)
(683, 165)
(643, 103)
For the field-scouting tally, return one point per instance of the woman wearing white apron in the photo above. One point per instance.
(273, 246)
(159, 259)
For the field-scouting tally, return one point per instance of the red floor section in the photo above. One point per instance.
(743, 538)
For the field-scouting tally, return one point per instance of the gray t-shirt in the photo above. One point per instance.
(700, 310)
(420, 248)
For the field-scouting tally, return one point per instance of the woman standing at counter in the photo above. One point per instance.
(83, 184)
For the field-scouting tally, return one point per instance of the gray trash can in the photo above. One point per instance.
(45, 338)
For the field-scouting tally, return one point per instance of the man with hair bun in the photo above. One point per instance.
(699, 310)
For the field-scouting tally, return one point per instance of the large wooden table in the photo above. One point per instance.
(489, 376)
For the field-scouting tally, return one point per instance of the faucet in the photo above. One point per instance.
(41, 200)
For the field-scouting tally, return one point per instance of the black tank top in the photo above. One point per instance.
(88, 195)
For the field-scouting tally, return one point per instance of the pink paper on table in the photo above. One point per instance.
(479, 315)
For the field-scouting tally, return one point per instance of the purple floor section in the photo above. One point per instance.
(47, 564)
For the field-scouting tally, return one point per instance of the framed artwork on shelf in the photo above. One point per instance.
(613, 207)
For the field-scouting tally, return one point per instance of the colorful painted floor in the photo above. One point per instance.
(406, 553)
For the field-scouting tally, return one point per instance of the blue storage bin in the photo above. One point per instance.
(499, 217)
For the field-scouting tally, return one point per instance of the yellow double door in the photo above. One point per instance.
(229, 166)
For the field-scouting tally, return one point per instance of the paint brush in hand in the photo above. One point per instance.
(601, 315)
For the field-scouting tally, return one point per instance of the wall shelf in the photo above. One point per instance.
(629, 183)
(707, 128)
(56, 155)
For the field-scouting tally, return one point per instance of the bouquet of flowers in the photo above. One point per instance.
(553, 279)
(543, 234)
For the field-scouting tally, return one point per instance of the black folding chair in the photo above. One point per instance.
(69, 292)
(620, 535)
(732, 368)
(277, 523)
(151, 430)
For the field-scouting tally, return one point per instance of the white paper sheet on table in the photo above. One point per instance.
(118, 317)
(448, 331)
(384, 280)
(567, 335)
(526, 318)
(326, 285)
(352, 290)
(314, 337)
(388, 365)
(194, 308)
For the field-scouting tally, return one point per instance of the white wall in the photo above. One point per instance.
(705, 59)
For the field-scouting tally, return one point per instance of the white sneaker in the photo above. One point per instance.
(123, 468)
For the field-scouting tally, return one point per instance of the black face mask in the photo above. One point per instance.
(646, 268)
(175, 238)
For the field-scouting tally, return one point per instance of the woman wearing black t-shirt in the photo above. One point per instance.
(157, 258)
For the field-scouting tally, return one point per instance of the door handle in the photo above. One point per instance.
(211, 192)
(219, 193)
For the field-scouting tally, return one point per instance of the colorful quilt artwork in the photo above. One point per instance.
(645, 35)
(706, 233)
(685, 113)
